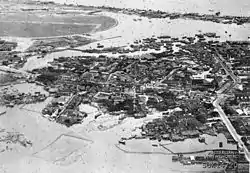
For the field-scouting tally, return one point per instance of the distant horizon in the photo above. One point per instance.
(226, 7)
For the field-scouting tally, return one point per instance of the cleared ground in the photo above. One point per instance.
(24, 24)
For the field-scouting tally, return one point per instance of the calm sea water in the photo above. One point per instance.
(226, 7)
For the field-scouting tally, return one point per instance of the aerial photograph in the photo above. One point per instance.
(124, 86)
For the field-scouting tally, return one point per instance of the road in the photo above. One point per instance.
(169, 75)
(220, 98)
(225, 88)
(13, 70)
(240, 116)
(226, 68)
(229, 126)
(66, 105)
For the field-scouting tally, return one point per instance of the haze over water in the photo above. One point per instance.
(226, 7)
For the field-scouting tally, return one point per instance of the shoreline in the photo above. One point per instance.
(168, 6)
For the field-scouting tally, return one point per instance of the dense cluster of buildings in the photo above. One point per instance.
(43, 46)
(65, 110)
(8, 57)
(183, 76)
(180, 82)
(7, 45)
(10, 99)
(13, 60)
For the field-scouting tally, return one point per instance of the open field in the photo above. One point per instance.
(37, 29)
(51, 17)
(24, 24)
(6, 78)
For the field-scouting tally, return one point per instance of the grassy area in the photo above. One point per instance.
(6, 78)
(56, 42)
(52, 17)
(42, 30)
(45, 25)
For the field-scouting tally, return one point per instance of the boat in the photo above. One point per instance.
(123, 142)
(2, 111)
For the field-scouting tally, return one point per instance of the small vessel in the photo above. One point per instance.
(201, 139)
(154, 145)
(2, 111)
(123, 142)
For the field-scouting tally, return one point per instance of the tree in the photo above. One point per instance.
(201, 118)
(192, 124)
(47, 78)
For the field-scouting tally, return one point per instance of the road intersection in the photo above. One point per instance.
(220, 98)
